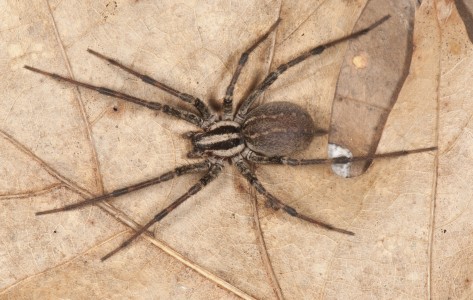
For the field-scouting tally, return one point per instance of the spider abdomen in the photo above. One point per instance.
(278, 129)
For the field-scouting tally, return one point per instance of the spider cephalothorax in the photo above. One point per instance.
(261, 135)
(222, 139)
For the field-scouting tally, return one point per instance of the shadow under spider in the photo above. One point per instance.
(265, 134)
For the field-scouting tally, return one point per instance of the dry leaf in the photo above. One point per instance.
(60, 143)
(371, 77)
(465, 9)
(452, 271)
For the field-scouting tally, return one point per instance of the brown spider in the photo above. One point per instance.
(262, 135)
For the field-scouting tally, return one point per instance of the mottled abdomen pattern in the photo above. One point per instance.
(278, 129)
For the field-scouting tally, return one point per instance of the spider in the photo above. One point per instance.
(265, 134)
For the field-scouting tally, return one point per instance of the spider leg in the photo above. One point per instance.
(213, 173)
(201, 106)
(175, 112)
(274, 202)
(271, 78)
(186, 169)
(281, 160)
(228, 101)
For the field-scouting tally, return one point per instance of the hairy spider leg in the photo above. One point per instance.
(201, 106)
(274, 202)
(281, 160)
(228, 100)
(172, 111)
(271, 78)
(182, 170)
(213, 173)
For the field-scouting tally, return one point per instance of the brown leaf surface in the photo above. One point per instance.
(452, 260)
(60, 143)
(465, 10)
(373, 72)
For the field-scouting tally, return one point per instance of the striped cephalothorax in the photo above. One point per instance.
(262, 135)
(222, 139)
